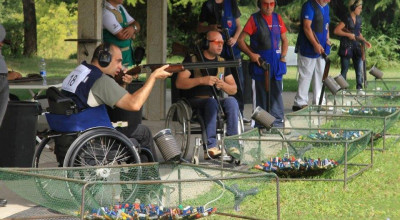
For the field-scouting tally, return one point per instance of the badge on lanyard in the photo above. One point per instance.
(75, 78)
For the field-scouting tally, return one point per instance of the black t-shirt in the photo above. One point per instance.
(211, 12)
(203, 90)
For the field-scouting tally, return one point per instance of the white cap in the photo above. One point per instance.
(2, 33)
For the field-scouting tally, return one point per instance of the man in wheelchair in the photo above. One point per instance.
(92, 86)
(199, 86)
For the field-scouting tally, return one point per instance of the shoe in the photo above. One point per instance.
(360, 92)
(246, 121)
(3, 202)
(296, 108)
(234, 152)
(214, 152)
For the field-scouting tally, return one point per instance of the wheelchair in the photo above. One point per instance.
(184, 122)
(95, 141)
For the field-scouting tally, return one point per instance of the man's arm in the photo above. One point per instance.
(246, 48)
(310, 36)
(13, 75)
(133, 102)
(183, 81)
(285, 46)
(228, 85)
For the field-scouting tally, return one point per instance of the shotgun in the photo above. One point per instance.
(266, 67)
(326, 72)
(173, 68)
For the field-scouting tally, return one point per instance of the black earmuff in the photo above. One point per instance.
(354, 6)
(205, 44)
(104, 56)
(259, 3)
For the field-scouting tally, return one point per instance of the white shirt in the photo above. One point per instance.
(110, 21)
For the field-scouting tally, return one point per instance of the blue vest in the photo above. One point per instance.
(265, 41)
(78, 83)
(319, 25)
(353, 46)
(228, 21)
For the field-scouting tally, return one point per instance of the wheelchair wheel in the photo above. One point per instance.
(104, 147)
(44, 154)
(178, 120)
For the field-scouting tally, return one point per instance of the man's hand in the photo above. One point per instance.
(220, 84)
(13, 75)
(254, 57)
(319, 49)
(128, 32)
(127, 78)
(208, 80)
(231, 41)
(160, 73)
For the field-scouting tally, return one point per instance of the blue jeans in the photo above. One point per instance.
(3, 95)
(208, 109)
(274, 106)
(357, 63)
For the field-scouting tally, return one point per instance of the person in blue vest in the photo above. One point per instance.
(314, 20)
(349, 28)
(266, 30)
(120, 28)
(92, 86)
(217, 15)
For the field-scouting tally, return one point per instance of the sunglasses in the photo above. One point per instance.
(271, 4)
(217, 42)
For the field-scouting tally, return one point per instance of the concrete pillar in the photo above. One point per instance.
(89, 27)
(156, 53)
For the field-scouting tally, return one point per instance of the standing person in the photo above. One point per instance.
(5, 75)
(217, 15)
(199, 85)
(349, 30)
(314, 20)
(266, 30)
(120, 28)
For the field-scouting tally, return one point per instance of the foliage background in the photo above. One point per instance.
(57, 21)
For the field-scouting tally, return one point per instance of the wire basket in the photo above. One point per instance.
(379, 119)
(96, 190)
(260, 146)
(371, 97)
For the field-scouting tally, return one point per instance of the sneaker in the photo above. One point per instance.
(3, 202)
(214, 152)
(246, 121)
(234, 152)
(296, 108)
(360, 92)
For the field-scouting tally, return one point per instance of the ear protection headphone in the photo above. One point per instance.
(104, 56)
(205, 44)
(354, 5)
(259, 3)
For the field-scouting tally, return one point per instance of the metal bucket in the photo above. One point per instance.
(167, 145)
(263, 117)
(332, 85)
(376, 72)
(342, 82)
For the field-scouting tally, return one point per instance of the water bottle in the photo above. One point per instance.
(42, 70)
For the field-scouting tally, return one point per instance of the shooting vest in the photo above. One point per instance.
(265, 41)
(227, 20)
(78, 83)
(125, 45)
(349, 48)
(319, 25)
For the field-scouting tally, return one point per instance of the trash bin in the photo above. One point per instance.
(133, 118)
(18, 134)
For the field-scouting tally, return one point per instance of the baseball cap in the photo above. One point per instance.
(2, 33)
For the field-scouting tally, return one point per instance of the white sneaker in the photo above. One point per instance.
(360, 92)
